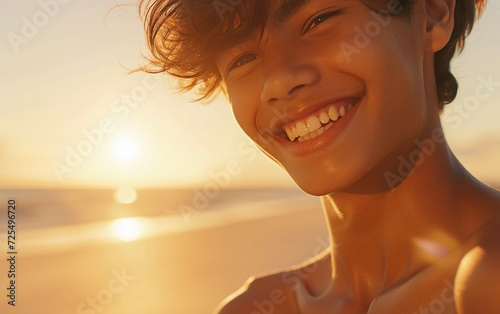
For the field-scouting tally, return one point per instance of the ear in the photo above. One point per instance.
(439, 22)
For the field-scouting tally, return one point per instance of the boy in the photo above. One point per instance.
(345, 95)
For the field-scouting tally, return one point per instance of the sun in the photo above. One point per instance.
(126, 149)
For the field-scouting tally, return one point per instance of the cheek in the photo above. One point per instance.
(392, 70)
(245, 104)
(247, 112)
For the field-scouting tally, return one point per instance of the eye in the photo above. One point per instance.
(242, 60)
(318, 20)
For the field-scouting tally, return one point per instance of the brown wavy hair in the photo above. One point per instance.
(184, 36)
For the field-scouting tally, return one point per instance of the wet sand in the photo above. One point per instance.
(188, 271)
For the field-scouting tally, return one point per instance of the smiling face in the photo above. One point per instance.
(332, 91)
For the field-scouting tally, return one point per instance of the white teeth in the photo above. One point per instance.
(305, 138)
(324, 118)
(313, 134)
(290, 135)
(333, 113)
(313, 123)
(341, 111)
(301, 129)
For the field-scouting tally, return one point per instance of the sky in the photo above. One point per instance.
(72, 115)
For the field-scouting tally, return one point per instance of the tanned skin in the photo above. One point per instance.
(425, 242)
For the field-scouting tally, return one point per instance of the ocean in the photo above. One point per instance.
(170, 251)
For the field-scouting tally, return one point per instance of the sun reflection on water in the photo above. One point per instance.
(127, 229)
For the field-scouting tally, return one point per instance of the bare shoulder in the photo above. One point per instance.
(477, 282)
(276, 292)
(265, 294)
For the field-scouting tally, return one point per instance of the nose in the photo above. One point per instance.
(287, 74)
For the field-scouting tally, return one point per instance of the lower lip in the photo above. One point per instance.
(314, 144)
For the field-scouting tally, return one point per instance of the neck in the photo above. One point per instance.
(385, 236)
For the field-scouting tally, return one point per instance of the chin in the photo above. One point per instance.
(358, 175)
(317, 191)
(326, 183)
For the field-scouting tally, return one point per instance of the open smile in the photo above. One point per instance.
(317, 128)
(317, 123)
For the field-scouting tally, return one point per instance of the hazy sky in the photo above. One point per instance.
(64, 88)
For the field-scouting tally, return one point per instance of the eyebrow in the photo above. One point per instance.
(287, 9)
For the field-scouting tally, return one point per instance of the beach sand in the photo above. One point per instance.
(186, 271)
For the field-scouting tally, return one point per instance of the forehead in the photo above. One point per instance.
(282, 10)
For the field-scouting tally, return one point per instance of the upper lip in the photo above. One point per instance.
(277, 123)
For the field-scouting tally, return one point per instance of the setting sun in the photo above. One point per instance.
(126, 149)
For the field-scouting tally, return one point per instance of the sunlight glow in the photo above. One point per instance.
(125, 195)
(126, 229)
(126, 149)
(435, 245)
